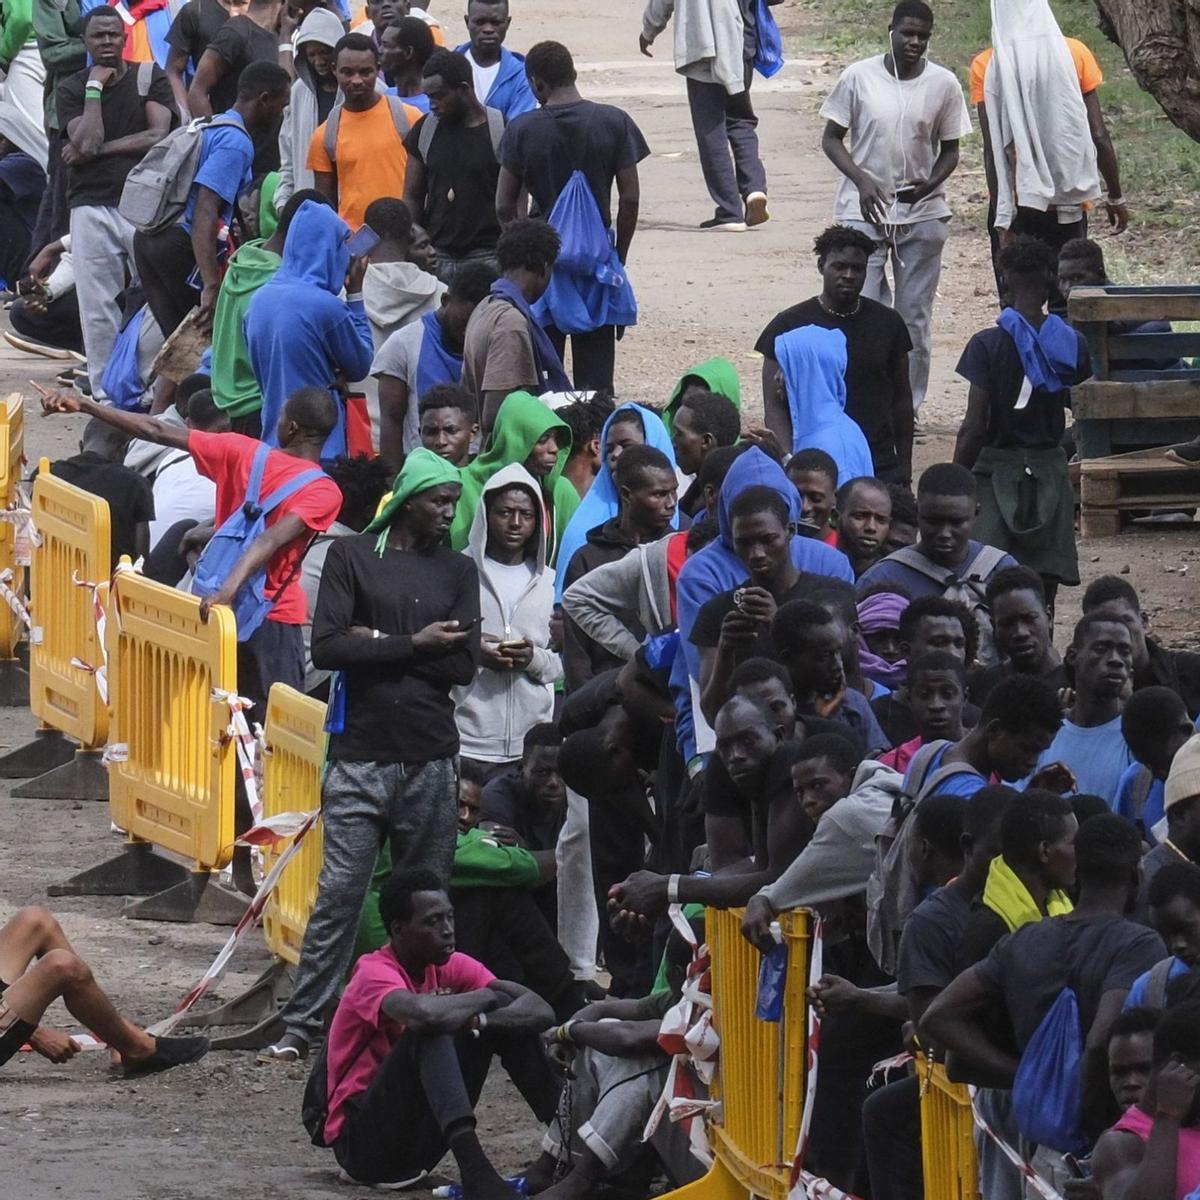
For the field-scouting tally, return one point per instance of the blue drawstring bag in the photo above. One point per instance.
(122, 379)
(1047, 1099)
(585, 245)
(768, 43)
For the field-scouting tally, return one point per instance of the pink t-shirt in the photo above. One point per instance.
(1187, 1157)
(362, 1034)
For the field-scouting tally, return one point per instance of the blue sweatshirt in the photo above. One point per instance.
(298, 332)
(510, 91)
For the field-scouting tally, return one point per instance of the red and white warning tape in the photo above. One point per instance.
(273, 830)
(13, 600)
(1026, 1172)
(816, 968)
(101, 619)
(246, 743)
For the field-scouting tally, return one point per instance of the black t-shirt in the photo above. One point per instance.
(930, 940)
(982, 681)
(723, 799)
(130, 500)
(897, 721)
(123, 111)
(546, 146)
(241, 42)
(195, 27)
(1094, 955)
(990, 361)
(460, 186)
(877, 342)
(506, 802)
(706, 629)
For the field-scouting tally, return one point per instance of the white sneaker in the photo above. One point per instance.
(398, 1186)
(756, 209)
(719, 225)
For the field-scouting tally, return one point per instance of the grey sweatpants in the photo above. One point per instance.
(915, 254)
(362, 803)
(102, 251)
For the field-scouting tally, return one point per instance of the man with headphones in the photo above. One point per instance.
(905, 116)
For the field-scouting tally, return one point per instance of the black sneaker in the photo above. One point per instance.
(724, 225)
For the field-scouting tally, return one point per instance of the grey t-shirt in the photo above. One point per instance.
(1026, 970)
(930, 940)
(398, 357)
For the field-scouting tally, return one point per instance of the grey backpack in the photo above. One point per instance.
(156, 190)
(399, 111)
(892, 890)
(495, 121)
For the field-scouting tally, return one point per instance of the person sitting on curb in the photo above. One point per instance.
(59, 973)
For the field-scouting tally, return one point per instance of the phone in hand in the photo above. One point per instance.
(907, 195)
(363, 242)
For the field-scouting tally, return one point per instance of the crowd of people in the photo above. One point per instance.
(588, 660)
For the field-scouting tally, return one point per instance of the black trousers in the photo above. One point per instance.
(891, 1127)
(425, 1088)
(57, 326)
(593, 356)
(165, 263)
(54, 218)
(508, 932)
(1045, 227)
(166, 562)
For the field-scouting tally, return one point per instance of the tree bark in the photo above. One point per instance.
(1161, 43)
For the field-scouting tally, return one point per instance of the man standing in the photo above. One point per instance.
(895, 170)
(110, 116)
(358, 154)
(168, 260)
(715, 45)
(878, 388)
(499, 74)
(540, 153)
(393, 771)
(450, 183)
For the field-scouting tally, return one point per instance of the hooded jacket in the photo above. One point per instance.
(718, 374)
(716, 568)
(709, 39)
(521, 421)
(397, 293)
(495, 712)
(234, 387)
(510, 91)
(602, 501)
(298, 332)
(301, 119)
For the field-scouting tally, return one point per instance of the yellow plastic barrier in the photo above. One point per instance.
(171, 768)
(12, 452)
(947, 1137)
(72, 548)
(762, 1068)
(295, 735)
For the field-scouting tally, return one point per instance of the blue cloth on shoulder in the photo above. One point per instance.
(1049, 355)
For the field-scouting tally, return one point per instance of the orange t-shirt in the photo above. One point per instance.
(371, 158)
(1086, 67)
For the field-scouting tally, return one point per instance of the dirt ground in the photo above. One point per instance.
(227, 1125)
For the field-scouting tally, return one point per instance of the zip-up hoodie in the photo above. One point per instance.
(300, 121)
(234, 387)
(494, 712)
(298, 332)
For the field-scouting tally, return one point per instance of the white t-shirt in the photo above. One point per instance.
(398, 357)
(896, 130)
(510, 583)
(484, 77)
(181, 493)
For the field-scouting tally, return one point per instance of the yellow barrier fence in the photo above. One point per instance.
(69, 571)
(14, 681)
(171, 760)
(947, 1137)
(762, 1068)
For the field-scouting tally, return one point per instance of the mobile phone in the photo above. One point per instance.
(463, 626)
(362, 242)
(907, 195)
(516, 644)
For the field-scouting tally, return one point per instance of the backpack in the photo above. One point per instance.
(585, 248)
(240, 529)
(1047, 1096)
(891, 890)
(1156, 985)
(156, 190)
(969, 588)
(429, 127)
(399, 111)
(314, 1104)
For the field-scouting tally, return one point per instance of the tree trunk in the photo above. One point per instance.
(1161, 42)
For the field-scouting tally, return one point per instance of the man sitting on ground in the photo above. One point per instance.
(59, 973)
(400, 1056)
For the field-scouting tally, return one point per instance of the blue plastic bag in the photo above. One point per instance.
(122, 379)
(772, 975)
(768, 47)
(1047, 1099)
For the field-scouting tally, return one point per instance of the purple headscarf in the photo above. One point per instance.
(881, 611)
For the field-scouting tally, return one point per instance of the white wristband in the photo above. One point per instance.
(482, 1019)
(286, 48)
(673, 889)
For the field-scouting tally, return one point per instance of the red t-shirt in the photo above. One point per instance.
(362, 1034)
(226, 459)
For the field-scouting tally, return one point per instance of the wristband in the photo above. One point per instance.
(563, 1032)
(93, 91)
(93, 83)
(673, 889)
(286, 48)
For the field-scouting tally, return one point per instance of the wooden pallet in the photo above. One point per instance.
(1143, 479)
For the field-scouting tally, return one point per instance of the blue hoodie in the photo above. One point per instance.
(510, 91)
(298, 332)
(601, 502)
(716, 568)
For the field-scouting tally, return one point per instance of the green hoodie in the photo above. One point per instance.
(422, 470)
(718, 374)
(522, 420)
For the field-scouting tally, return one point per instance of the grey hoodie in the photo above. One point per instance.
(495, 712)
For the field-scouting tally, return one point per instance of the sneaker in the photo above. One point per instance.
(30, 346)
(398, 1185)
(723, 225)
(169, 1052)
(66, 379)
(756, 209)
